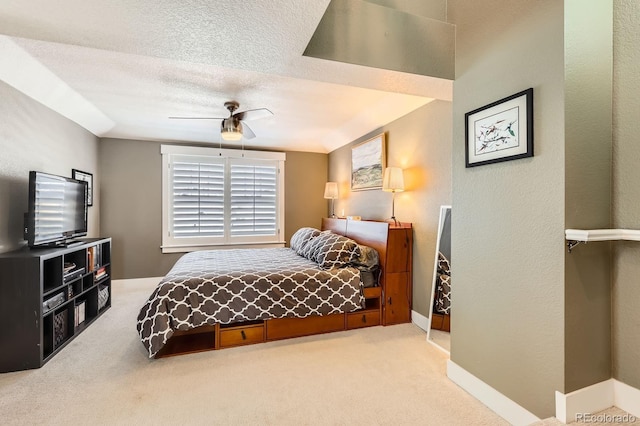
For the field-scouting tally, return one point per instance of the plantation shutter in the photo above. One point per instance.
(221, 197)
(253, 198)
(198, 197)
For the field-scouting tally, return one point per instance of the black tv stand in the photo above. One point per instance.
(72, 243)
(58, 244)
(48, 297)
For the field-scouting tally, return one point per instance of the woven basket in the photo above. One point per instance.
(103, 296)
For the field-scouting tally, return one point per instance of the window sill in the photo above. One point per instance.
(188, 248)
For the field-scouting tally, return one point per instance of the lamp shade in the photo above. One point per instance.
(393, 180)
(331, 190)
(231, 129)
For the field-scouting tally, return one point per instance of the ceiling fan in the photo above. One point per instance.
(233, 127)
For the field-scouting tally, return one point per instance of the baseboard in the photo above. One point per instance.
(420, 320)
(626, 398)
(595, 398)
(587, 400)
(500, 404)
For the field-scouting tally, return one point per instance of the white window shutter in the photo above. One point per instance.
(253, 203)
(216, 197)
(198, 199)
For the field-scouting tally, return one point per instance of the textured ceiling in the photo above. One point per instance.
(140, 62)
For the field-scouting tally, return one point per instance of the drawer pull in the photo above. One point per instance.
(244, 336)
(390, 301)
(364, 318)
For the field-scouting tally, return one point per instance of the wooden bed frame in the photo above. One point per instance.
(219, 336)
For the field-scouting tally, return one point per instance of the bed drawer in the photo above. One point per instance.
(372, 292)
(283, 328)
(441, 322)
(363, 319)
(237, 336)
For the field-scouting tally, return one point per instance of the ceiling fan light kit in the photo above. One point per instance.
(231, 128)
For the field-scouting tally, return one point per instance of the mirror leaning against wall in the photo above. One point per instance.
(440, 315)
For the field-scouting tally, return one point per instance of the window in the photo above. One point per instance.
(221, 197)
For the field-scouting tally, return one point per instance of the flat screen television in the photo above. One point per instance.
(57, 210)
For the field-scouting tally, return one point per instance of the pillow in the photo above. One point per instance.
(368, 258)
(302, 237)
(314, 244)
(334, 251)
(444, 266)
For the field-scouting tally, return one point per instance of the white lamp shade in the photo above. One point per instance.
(393, 180)
(231, 130)
(331, 190)
(231, 136)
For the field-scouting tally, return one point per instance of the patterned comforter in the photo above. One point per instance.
(226, 286)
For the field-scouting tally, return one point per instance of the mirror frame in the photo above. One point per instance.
(443, 212)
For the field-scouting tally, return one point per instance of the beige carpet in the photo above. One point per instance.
(379, 375)
(375, 376)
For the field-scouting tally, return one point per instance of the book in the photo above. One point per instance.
(79, 313)
(101, 273)
(90, 259)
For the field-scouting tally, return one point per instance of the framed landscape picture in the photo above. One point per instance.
(368, 163)
(500, 131)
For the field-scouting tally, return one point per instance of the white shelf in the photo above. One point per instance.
(585, 235)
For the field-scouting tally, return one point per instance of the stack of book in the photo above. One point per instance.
(79, 314)
(101, 273)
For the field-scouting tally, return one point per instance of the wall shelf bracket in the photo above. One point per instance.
(572, 243)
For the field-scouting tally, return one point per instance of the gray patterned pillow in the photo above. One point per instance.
(310, 249)
(301, 237)
(442, 300)
(368, 258)
(335, 251)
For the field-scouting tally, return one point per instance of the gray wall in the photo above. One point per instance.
(305, 176)
(32, 137)
(434, 9)
(132, 207)
(507, 219)
(420, 143)
(526, 311)
(132, 203)
(626, 195)
(588, 110)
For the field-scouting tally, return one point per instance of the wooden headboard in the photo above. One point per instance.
(372, 234)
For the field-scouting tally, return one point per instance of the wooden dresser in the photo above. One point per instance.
(396, 258)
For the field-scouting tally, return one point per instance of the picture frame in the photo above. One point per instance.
(500, 131)
(85, 177)
(368, 161)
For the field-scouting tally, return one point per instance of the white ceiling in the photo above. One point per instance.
(121, 68)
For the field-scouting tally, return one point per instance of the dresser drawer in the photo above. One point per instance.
(363, 319)
(237, 336)
(284, 328)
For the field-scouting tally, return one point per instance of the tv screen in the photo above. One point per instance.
(57, 209)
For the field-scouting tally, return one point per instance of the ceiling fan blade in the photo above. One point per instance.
(196, 118)
(253, 114)
(247, 132)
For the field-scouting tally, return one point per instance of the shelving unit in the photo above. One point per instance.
(49, 296)
(577, 236)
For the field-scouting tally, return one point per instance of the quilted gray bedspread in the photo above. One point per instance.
(227, 286)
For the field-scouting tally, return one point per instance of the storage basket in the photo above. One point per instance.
(103, 296)
(60, 328)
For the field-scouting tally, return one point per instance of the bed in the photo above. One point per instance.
(223, 298)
